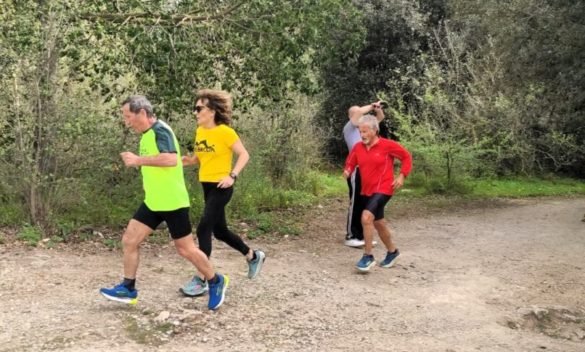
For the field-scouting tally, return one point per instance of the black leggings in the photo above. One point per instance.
(213, 220)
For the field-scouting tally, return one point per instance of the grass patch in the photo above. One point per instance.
(112, 243)
(483, 193)
(266, 208)
(159, 237)
(420, 197)
(272, 208)
(330, 184)
(470, 189)
(31, 235)
(153, 334)
(279, 222)
(527, 187)
(10, 213)
(54, 241)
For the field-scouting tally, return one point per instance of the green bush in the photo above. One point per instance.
(284, 141)
(31, 235)
(443, 160)
(54, 241)
(11, 213)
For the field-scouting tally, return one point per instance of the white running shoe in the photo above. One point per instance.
(355, 243)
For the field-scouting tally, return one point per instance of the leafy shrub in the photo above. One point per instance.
(31, 235)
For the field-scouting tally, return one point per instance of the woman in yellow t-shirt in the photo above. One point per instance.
(215, 144)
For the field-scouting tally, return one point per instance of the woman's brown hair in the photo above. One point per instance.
(219, 101)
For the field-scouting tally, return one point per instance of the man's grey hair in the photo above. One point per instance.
(137, 103)
(370, 121)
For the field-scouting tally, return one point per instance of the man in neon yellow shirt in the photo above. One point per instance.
(166, 199)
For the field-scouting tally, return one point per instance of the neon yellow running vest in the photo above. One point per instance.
(164, 187)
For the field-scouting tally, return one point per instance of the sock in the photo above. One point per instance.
(214, 280)
(129, 283)
(254, 257)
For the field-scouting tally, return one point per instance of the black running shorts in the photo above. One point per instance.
(376, 203)
(177, 220)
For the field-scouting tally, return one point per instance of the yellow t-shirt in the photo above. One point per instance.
(213, 147)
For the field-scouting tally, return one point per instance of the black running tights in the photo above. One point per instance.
(214, 221)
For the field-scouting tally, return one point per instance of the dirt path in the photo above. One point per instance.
(506, 278)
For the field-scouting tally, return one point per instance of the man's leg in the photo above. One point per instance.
(180, 229)
(134, 235)
(392, 252)
(368, 226)
(186, 248)
(367, 260)
(217, 283)
(385, 234)
(373, 211)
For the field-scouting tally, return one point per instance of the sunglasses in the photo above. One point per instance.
(198, 108)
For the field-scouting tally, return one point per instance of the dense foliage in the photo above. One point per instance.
(475, 89)
(479, 87)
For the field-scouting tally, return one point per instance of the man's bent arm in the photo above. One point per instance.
(161, 160)
(355, 112)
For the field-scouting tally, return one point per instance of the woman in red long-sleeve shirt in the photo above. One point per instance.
(375, 157)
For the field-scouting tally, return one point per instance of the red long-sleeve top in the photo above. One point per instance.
(377, 165)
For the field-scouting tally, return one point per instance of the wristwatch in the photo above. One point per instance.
(233, 176)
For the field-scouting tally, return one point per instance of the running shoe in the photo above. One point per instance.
(355, 243)
(120, 293)
(390, 259)
(254, 266)
(217, 292)
(195, 287)
(365, 263)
